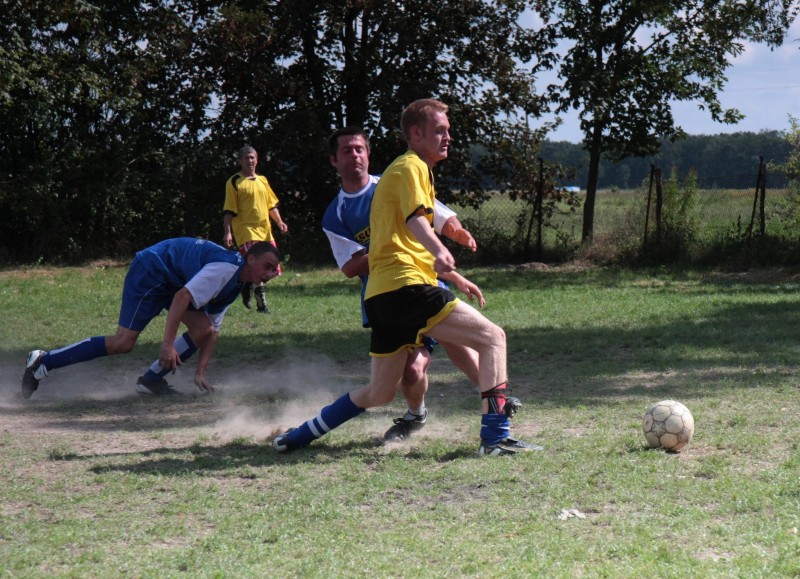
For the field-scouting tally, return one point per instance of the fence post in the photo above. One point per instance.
(538, 208)
(759, 178)
(647, 213)
(659, 204)
(762, 185)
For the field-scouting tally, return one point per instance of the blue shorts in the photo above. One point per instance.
(143, 297)
(400, 317)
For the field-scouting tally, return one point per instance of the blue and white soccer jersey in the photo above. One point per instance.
(208, 271)
(346, 223)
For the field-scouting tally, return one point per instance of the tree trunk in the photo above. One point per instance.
(591, 186)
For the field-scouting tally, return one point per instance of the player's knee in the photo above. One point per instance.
(493, 335)
(498, 334)
(201, 335)
(380, 397)
(414, 374)
(119, 346)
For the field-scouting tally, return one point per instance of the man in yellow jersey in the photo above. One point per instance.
(346, 224)
(249, 204)
(403, 300)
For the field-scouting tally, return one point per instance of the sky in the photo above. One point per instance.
(764, 85)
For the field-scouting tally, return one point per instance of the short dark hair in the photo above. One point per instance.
(246, 150)
(260, 248)
(333, 140)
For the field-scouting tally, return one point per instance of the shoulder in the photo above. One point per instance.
(407, 162)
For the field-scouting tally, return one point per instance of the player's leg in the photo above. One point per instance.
(466, 326)
(153, 382)
(247, 288)
(199, 328)
(139, 304)
(385, 376)
(414, 385)
(247, 295)
(40, 362)
(260, 291)
(143, 298)
(261, 299)
(464, 358)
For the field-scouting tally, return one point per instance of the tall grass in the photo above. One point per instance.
(720, 218)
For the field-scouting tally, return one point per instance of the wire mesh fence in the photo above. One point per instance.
(722, 206)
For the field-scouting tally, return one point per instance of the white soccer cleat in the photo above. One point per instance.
(34, 371)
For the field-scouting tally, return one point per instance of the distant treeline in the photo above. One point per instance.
(720, 161)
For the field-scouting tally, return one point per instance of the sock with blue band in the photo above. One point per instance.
(185, 348)
(329, 418)
(494, 428)
(82, 351)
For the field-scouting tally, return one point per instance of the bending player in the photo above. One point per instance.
(403, 301)
(196, 280)
(346, 223)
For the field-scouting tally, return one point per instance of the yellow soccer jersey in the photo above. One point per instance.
(250, 200)
(396, 258)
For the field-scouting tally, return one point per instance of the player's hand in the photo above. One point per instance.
(168, 358)
(444, 262)
(227, 240)
(203, 384)
(283, 227)
(470, 290)
(464, 237)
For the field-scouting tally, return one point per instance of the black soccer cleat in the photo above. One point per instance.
(158, 387)
(507, 446)
(247, 295)
(405, 426)
(261, 300)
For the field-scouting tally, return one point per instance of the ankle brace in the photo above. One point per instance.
(500, 402)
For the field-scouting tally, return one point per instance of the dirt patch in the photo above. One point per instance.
(93, 409)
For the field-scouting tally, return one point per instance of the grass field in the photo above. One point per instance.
(97, 482)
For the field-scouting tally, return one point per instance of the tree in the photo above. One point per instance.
(92, 109)
(626, 61)
(289, 72)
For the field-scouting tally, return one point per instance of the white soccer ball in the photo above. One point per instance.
(668, 425)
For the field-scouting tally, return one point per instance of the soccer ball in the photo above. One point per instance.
(668, 425)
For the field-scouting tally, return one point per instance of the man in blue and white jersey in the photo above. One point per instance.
(195, 280)
(346, 223)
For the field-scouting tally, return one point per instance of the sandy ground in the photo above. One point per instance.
(99, 396)
(93, 408)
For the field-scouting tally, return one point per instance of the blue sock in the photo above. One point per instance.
(185, 348)
(82, 351)
(329, 418)
(494, 428)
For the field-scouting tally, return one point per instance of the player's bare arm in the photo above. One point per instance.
(465, 286)
(227, 232)
(204, 357)
(357, 265)
(276, 217)
(422, 230)
(169, 359)
(452, 229)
